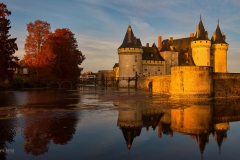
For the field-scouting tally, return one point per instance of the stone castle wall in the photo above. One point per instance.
(226, 85)
(103, 74)
(191, 82)
(160, 84)
(194, 82)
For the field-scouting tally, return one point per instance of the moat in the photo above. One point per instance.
(111, 123)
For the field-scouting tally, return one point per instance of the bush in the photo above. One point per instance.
(18, 83)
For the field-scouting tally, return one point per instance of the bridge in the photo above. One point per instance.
(107, 81)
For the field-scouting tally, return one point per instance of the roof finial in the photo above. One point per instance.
(200, 15)
(218, 21)
(129, 24)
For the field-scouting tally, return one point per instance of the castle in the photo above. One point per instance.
(192, 67)
(198, 120)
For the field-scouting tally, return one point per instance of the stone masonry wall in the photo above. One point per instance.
(226, 85)
(160, 84)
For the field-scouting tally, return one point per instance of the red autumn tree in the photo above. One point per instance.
(68, 57)
(35, 57)
(8, 45)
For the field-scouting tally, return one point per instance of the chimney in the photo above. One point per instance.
(191, 34)
(197, 31)
(171, 39)
(147, 44)
(159, 43)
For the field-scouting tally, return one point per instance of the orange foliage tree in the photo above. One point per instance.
(51, 56)
(8, 45)
(35, 57)
(68, 57)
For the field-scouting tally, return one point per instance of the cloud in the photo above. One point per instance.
(100, 25)
(100, 52)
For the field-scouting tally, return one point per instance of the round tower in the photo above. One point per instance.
(219, 51)
(193, 120)
(130, 122)
(201, 46)
(194, 82)
(130, 58)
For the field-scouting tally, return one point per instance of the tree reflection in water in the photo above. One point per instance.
(7, 133)
(42, 127)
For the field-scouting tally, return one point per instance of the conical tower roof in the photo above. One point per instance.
(219, 37)
(130, 41)
(201, 33)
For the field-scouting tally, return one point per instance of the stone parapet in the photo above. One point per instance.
(129, 50)
(226, 85)
(129, 123)
(191, 82)
(218, 46)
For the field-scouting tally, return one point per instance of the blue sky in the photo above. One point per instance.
(100, 25)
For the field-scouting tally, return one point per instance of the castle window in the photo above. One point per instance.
(150, 54)
(135, 58)
(134, 69)
(158, 68)
(149, 74)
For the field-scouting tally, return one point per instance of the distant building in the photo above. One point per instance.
(88, 75)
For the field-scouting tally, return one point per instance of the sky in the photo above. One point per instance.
(100, 25)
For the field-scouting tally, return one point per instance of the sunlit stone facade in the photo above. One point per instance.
(190, 62)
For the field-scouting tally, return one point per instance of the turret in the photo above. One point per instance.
(219, 51)
(130, 122)
(201, 46)
(130, 57)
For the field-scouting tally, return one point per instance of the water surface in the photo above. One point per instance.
(91, 123)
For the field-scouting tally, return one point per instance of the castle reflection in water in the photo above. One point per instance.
(198, 120)
(41, 125)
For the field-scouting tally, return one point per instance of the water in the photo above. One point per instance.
(115, 124)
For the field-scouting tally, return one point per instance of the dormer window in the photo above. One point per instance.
(151, 54)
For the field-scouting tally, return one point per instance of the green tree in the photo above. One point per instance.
(8, 45)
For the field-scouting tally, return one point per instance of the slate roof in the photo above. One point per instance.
(151, 53)
(126, 44)
(219, 36)
(116, 65)
(182, 45)
(202, 33)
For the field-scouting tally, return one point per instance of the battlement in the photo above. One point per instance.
(200, 44)
(219, 46)
(191, 68)
(130, 50)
